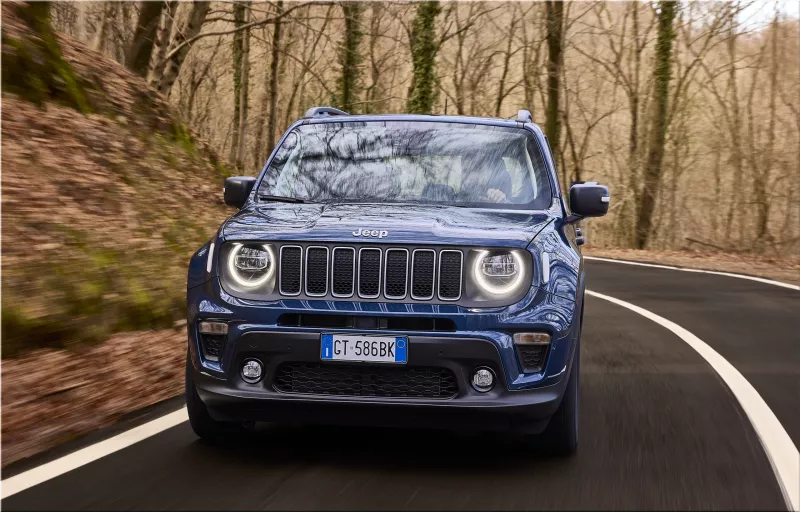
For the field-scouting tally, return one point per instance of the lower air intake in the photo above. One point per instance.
(352, 380)
(532, 357)
(212, 346)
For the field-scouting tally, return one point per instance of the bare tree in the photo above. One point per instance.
(175, 57)
(349, 81)
(237, 49)
(658, 121)
(555, 41)
(272, 93)
(422, 93)
(158, 62)
(243, 95)
(141, 47)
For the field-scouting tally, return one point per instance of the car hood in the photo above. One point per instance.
(392, 223)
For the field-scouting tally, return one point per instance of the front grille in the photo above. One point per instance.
(450, 275)
(344, 263)
(363, 380)
(396, 273)
(422, 274)
(392, 273)
(291, 268)
(316, 271)
(532, 357)
(369, 273)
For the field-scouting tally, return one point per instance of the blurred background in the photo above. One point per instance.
(120, 121)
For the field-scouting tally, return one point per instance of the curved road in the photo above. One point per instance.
(659, 428)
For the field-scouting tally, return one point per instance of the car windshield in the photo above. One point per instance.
(421, 162)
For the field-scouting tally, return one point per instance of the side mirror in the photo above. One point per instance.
(588, 199)
(237, 189)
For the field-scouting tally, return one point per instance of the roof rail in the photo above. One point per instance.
(524, 116)
(325, 111)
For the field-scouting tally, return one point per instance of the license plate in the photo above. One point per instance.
(367, 349)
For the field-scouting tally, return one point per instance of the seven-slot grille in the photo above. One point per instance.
(392, 273)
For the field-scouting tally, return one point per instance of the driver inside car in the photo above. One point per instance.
(485, 180)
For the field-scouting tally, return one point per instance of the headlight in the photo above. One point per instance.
(499, 273)
(251, 265)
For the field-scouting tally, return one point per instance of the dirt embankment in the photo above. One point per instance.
(105, 196)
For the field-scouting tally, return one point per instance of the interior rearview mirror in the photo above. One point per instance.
(588, 199)
(237, 190)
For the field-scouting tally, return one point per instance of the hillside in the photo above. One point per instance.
(105, 195)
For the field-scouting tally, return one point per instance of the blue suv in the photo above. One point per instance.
(401, 270)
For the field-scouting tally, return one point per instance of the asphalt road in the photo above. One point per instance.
(659, 428)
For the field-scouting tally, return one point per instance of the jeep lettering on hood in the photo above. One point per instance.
(373, 233)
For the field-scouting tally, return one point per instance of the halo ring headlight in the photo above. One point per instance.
(506, 282)
(251, 269)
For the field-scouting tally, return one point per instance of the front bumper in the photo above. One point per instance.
(518, 401)
(498, 409)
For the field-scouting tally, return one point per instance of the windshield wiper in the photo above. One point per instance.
(281, 199)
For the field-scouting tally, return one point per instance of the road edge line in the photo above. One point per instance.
(778, 446)
(76, 459)
(697, 270)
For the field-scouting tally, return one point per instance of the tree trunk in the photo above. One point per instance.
(735, 128)
(162, 44)
(501, 89)
(244, 89)
(423, 92)
(237, 50)
(272, 93)
(374, 90)
(350, 58)
(190, 28)
(555, 39)
(634, 106)
(100, 34)
(655, 152)
(762, 181)
(141, 48)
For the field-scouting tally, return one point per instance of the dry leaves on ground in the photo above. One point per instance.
(52, 396)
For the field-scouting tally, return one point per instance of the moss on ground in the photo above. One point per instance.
(35, 69)
(94, 292)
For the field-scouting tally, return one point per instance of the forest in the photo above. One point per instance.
(688, 111)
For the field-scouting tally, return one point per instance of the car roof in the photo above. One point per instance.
(490, 121)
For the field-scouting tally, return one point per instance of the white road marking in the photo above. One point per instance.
(780, 450)
(74, 460)
(669, 267)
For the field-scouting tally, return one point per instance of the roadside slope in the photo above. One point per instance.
(103, 201)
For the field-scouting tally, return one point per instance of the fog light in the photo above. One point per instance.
(251, 371)
(531, 338)
(216, 328)
(483, 379)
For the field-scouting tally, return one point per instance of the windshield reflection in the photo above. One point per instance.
(410, 162)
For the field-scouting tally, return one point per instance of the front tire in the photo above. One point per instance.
(202, 423)
(561, 435)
